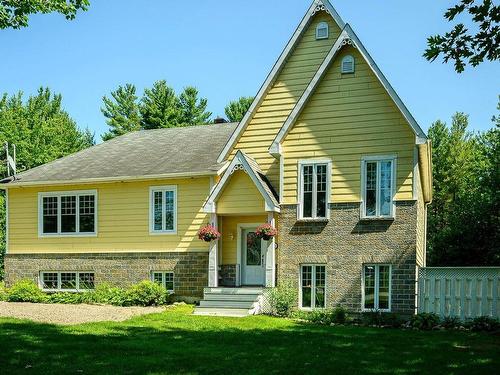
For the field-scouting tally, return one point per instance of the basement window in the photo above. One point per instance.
(312, 286)
(322, 31)
(165, 279)
(67, 281)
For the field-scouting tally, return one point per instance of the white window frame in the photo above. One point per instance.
(320, 26)
(347, 57)
(60, 194)
(300, 190)
(377, 280)
(163, 189)
(163, 279)
(313, 286)
(59, 289)
(378, 159)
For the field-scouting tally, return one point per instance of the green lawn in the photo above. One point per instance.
(177, 342)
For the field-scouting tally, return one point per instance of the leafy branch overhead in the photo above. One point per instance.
(464, 46)
(15, 13)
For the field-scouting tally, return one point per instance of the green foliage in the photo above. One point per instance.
(451, 322)
(466, 180)
(459, 44)
(146, 293)
(282, 299)
(4, 296)
(15, 14)
(380, 319)
(71, 297)
(121, 112)
(337, 315)
(159, 107)
(425, 321)
(235, 110)
(26, 291)
(107, 294)
(483, 323)
(192, 110)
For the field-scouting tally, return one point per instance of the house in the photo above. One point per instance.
(327, 153)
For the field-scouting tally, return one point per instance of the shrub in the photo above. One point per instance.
(425, 321)
(107, 294)
(3, 292)
(146, 293)
(282, 299)
(451, 322)
(26, 291)
(380, 319)
(67, 298)
(483, 323)
(339, 315)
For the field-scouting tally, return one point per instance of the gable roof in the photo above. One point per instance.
(172, 152)
(316, 6)
(250, 166)
(346, 37)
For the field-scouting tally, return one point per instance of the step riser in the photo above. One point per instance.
(233, 297)
(227, 304)
(221, 312)
(233, 291)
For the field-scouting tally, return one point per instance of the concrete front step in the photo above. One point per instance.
(231, 297)
(229, 301)
(227, 304)
(210, 311)
(229, 291)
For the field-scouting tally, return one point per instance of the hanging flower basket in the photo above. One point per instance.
(266, 231)
(208, 233)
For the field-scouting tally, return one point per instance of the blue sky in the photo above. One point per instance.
(226, 49)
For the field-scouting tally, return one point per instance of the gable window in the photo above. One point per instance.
(378, 176)
(377, 287)
(347, 64)
(322, 31)
(67, 281)
(68, 213)
(312, 286)
(314, 189)
(163, 209)
(165, 279)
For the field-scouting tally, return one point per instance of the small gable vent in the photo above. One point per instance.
(347, 65)
(322, 31)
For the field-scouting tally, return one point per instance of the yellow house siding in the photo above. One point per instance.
(349, 116)
(284, 94)
(122, 219)
(240, 196)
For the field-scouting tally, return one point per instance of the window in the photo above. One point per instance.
(322, 31)
(378, 186)
(163, 207)
(67, 281)
(347, 64)
(312, 286)
(165, 279)
(377, 287)
(68, 213)
(314, 189)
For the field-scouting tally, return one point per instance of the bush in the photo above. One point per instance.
(146, 293)
(282, 299)
(26, 291)
(380, 319)
(483, 323)
(451, 322)
(107, 294)
(425, 321)
(68, 298)
(3, 292)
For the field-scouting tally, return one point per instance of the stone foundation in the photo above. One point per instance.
(227, 275)
(344, 243)
(120, 269)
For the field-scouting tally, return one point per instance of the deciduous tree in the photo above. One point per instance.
(236, 109)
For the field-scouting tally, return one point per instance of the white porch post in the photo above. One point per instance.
(213, 262)
(270, 256)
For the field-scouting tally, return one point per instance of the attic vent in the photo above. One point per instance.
(347, 65)
(322, 31)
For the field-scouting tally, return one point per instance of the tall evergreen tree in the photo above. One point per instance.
(192, 110)
(121, 111)
(235, 110)
(159, 107)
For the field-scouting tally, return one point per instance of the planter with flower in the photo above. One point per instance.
(208, 233)
(266, 231)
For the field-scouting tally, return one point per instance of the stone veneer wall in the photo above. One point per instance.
(344, 244)
(227, 275)
(121, 269)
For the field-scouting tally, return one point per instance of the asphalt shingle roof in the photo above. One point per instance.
(192, 149)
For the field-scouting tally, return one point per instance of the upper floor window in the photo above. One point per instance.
(163, 209)
(68, 213)
(347, 64)
(322, 30)
(314, 189)
(378, 176)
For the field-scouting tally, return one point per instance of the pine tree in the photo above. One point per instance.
(235, 110)
(192, 109)
(121, 112)
(159, 107)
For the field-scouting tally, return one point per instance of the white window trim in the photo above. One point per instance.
(59, 289)
(313, 287)
(322, 25)
(300, 192)
(377, 277)
(378, 158)
(163, 282)
(60, 194)
(153, 189)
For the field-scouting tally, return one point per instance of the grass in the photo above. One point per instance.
(179, 343)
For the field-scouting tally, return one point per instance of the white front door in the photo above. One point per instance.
(252, 258)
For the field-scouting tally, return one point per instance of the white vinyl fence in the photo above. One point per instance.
(465, 292)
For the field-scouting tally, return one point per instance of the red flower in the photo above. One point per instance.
(266, 231)
(208, 233)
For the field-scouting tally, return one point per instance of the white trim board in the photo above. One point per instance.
(278, 66)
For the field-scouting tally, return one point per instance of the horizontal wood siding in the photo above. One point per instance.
(284, 94)
(240, 196)
(123, 219)
(349, 116)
